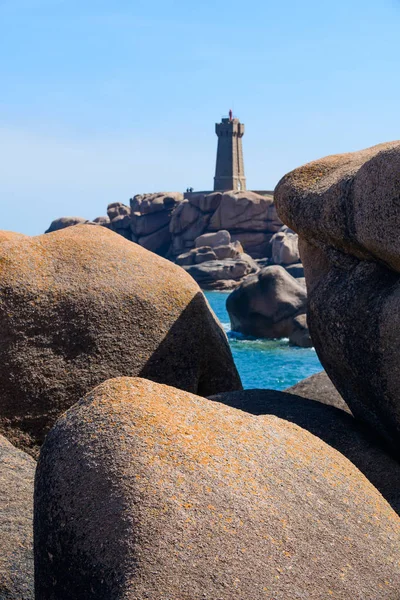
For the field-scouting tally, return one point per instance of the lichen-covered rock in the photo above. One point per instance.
(17, 471)
(345, 209)
(64, 222)
(267, 303)
(145, 491)
(81, 305)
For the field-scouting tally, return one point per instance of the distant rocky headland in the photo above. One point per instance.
(220, 239)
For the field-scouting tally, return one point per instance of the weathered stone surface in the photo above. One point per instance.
(158, 242)
(206, 202)
(145, 491)
(63, 222)
(207, 273)
(121, 222)
(300, 335)
(345, 209)
(150, 219)
(257, 244)
(242, 211)
(149, 203)
(81, 305)
(285, 248)
(187, 258)
(319, 387)
(219, 238)
(183, 217)
(229, 251)
(7, 236)
(266, 304)
(204, 254)
(118, 209)
(102, 220)
(296, 270)
(337, 428)
(149, 223)
(17, 471)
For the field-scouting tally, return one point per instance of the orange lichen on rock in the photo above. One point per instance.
(156, 492)
(83, 304)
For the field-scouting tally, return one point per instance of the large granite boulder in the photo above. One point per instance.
(17, 471)
(285, 248)
(81, 305)
(255, 243)
(207, 203)
(219, 238)
(120, 219)
(246, 217)
(145, 491)
(150, 219)
(222, 274)
(245, 211)
(320, 388)
(345, 209)
(266, 304)
(64, 222)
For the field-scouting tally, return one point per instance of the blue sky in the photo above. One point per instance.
(100, 100)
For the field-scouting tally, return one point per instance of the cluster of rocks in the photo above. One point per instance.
(219, 239)
(250, 218)
(169, 225)
(216, 262)
(158, 476)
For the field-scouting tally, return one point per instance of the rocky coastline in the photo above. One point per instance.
(157, 476)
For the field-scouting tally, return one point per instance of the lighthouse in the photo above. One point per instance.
(229, 169)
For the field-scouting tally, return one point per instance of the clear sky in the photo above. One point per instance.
(101, 99)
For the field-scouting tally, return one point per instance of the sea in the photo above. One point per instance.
(262, 363)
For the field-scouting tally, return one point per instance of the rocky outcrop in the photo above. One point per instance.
(345, 209)
(168, 225)
(63, 222)
(320, 388)
(268, 305)
(150, 218)
(250, 218)
(120, 219)
(145, 491)
(214, 274)
(81, 305)
(219, 238)
(17, 471)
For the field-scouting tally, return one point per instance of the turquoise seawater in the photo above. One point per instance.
(263, 363)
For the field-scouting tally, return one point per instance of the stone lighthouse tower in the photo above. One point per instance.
(229, 170)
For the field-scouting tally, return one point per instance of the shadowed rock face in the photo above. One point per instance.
(319, 387)
(145, 491)
(17, 471)
(81, 305)
(346, 211)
